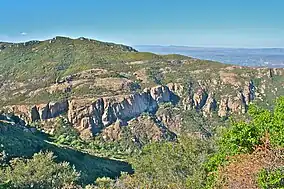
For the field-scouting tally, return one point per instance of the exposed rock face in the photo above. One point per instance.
(113, 132)
(34, 114)
(275, 71)
(210, 105)
(141, 129)
(160, 94)
(132, 106)
(249, 92)
(171, 121)
(239, 103)
(176, 88)
(200, 98)
(105, 111)
(146, 128)
(51, 110)
(89, 116)
(22, 110)
(87, 119)
(39, 112)
(223, 108)
(102, 97)
(230, 104)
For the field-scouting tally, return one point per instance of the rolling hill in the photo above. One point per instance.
(89, 101)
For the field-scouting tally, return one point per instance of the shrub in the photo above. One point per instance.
(271, 178)
(243, 137)
(39, 172)
(264, 128)
(104, 182)
(171, 164)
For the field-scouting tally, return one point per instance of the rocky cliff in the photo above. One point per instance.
(90, 116)
(95, 85)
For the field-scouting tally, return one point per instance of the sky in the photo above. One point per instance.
(197, 23)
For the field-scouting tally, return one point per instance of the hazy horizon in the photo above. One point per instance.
(143, 45)
(219, 23)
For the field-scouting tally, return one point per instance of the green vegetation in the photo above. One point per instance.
(39, 172)
(271, 178)
(188, 162)
(191, 162)
(65, 134)
(18, 143)
(31, 71)
(27, 67)
(264, 128)
(177, 147)
(64, 56)
(171, 164)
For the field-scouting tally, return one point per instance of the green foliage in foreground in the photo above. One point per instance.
(269, 178)
(243, 137)
(170, 165)
(17, 143)
(194, 163)
(5, 185)
(39, 172)
(189, 162)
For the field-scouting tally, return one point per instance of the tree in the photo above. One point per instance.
(39, 172)
(170, 165)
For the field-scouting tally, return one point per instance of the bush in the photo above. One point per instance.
(5, 185)
(65, 134)
(269, 178)
(170, 165)
(39, 172)
(104, 182)
(244, 137)
(265, 128)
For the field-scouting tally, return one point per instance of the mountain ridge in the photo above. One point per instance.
(61, 37)
(98, 84)
(111, 102)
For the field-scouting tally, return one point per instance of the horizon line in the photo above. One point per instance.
(141, 45)
(209, 46)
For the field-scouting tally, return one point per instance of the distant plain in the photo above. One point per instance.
(266, 57)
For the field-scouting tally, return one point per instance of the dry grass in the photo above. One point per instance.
(230, 78)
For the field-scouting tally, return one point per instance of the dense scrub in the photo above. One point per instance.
(17, 143)
(39, 172)
(263, 132)
(247, 154)
(271, 178)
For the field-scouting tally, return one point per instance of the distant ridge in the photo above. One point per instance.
(62, 38)
(267, 57)
(194, 47)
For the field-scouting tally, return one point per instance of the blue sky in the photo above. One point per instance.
(220, 23)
